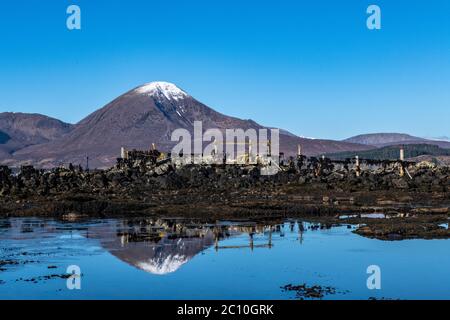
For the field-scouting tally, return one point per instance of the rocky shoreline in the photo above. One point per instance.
(308, 187)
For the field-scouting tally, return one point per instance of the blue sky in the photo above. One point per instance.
(311, 67)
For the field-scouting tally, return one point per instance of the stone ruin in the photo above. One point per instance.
(152, 159)
(154, 170)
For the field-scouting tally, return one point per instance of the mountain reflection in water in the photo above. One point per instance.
(162, 246)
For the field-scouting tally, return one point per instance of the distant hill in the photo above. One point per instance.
(393, 152)
(376, 139)
(441, 138)
(389, 139)
(20, 130)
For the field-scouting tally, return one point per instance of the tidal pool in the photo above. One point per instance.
(144, 258)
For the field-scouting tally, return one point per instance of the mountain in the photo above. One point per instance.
(145, 115)
(393, 152)
(388, 139)
(441, 138)
(20, 130)
(377, 139)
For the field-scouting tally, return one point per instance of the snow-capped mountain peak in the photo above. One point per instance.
(162, 89)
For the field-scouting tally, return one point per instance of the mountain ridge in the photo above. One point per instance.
(389, 139)
(20, 130)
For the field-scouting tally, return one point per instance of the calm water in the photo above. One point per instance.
(167, 259)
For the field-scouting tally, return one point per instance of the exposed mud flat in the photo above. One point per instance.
(45, 278)
(416, 227)
(304, 291)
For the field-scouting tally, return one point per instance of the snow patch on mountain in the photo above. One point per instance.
(163, 265)
(160, 89)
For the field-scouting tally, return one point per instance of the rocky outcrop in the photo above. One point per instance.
(151, 186)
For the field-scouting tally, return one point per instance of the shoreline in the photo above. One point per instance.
(305, 187)
(401, 220)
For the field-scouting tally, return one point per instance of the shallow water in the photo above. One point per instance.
(174, 259)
